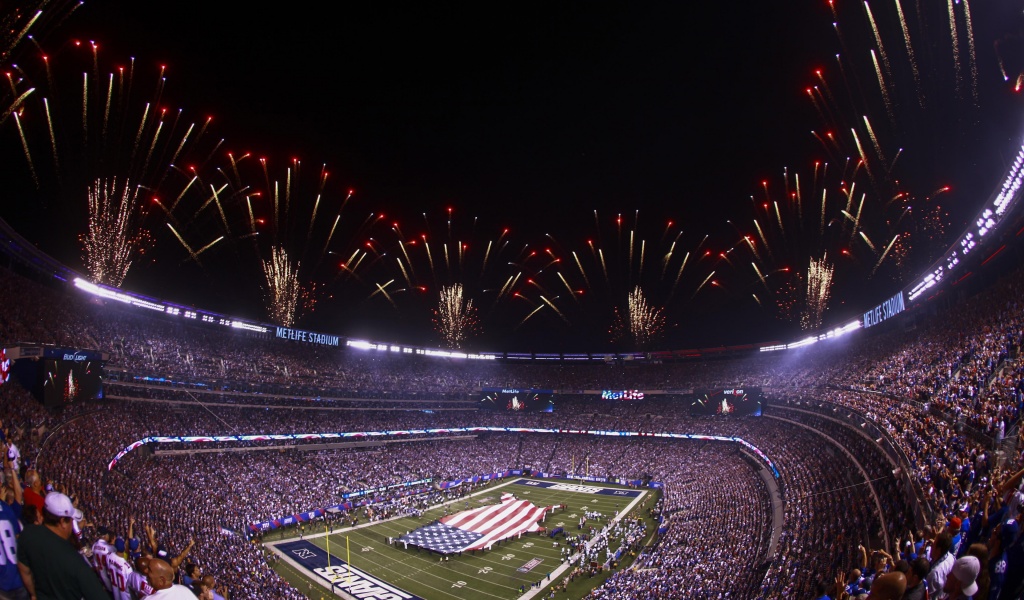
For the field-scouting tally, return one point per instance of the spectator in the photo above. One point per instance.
(916, 574)
(962, 580)
(11, 585)
(50, 566)
(34, 493)
(161, 578)
(941, 565)
(889, 586)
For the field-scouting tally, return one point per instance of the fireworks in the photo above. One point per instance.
(283, 289)
(937, 84)
(458, 254)
(643, 323)
(98, 132)
(624, 255)
(19, 23)
(819, 290)
(864, 216)
(288, 230)
(455, 317)
(298, 220)
(114, 237)
(830, 211)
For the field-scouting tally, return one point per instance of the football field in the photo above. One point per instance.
(509, 570)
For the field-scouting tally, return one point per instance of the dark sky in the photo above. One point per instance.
(533, 117)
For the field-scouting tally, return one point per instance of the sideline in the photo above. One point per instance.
(562, 568)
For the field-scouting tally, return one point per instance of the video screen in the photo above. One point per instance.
(736, 401)
(518, 401)
(66, 381)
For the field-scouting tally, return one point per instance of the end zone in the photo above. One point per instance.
(578, 488)
(336, 575)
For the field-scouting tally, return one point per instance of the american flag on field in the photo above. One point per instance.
(479, 528)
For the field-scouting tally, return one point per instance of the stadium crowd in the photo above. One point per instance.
(946, 394)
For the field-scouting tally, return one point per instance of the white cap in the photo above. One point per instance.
(966, 569)
(60, 505)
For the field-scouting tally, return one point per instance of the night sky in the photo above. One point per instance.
(532, 118)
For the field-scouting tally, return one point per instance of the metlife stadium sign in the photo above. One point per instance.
(886, 310)
(308, 337)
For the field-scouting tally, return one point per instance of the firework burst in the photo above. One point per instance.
(897, 79)
(832, 211)
(283, 289)
(20, 25)
(624, 255)
(295, 224)
(455, 318)
(819, 290)
(641, 324)
(480, 261)
(114, 237)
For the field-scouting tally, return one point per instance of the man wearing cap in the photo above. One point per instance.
(963, 578)
(119, 571)
(49, 565)
(954, 531)
(134, 552)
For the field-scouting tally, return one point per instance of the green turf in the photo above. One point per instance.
(491, 574)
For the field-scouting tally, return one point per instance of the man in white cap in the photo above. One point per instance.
(49, 565)
(963, 578)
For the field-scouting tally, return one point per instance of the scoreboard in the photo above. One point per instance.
(730, 401)
(56, 376)
(516, 400)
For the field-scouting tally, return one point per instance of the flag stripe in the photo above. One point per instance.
(480, 527)
(517, 523)
(517, 520)
(485, 520)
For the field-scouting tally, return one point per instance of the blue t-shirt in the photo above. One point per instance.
(1014, 553)
(10, 526)
(997, 575)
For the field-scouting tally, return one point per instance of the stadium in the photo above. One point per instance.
(191, 446)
